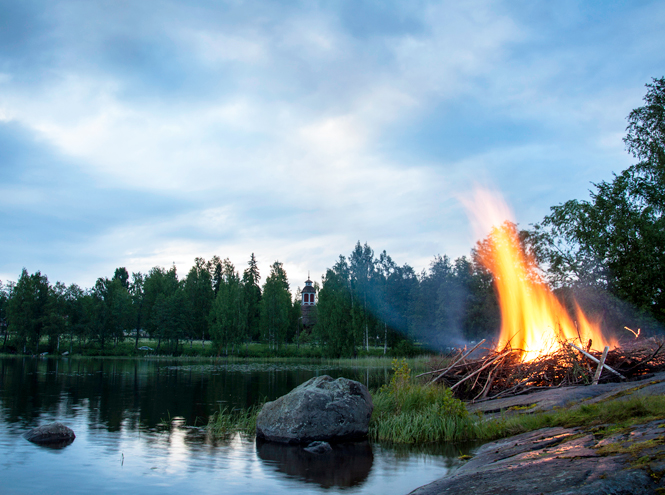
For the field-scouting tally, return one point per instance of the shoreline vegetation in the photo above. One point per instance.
(412, 413)
(196, 349)
(256, 355)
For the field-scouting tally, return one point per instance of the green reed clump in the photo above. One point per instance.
(227, 422)
(407, 412)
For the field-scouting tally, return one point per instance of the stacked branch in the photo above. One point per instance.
(484, 373)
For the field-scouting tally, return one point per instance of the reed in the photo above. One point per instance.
(413, 413)
(227, 422)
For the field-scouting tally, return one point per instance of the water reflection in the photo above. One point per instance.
(128, 393)
(54, 445)
(116, 408)
(348, 464)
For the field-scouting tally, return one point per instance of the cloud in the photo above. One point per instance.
(159, 131)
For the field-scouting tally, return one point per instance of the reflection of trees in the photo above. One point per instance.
(117, 394)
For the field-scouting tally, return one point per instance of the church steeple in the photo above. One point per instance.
(308, 293)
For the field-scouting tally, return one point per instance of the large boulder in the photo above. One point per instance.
(319, 409)
(52, 435)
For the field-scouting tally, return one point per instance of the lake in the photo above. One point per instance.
(139, 428)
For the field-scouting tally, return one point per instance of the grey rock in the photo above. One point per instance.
(318, 447)
(53, 434)
(560, 461)
(319, 409)
(548, 399)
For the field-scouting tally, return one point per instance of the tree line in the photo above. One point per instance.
(363, 302)
(213, 302)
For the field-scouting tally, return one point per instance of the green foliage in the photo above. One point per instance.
(275, 307)
(111, 310)
(251, 279)
(228, 316)
(4, 302)
(27, 309)
(406, 412)
(614, 240)
(199, 296)
(334, 318)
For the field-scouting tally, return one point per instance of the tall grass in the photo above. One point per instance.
(227, 422)
(406, 412)
(412, 413)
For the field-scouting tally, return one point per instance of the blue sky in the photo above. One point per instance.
(140, 134)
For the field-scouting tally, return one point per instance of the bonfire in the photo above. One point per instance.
(541, 345)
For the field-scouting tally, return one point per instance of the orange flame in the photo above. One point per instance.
(532, 318)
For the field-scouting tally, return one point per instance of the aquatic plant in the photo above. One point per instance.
(227, 422)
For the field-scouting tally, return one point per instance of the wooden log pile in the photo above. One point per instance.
(483, 373)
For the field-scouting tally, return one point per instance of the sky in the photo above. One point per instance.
(144, 134)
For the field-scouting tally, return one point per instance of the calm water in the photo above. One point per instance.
(119, 410)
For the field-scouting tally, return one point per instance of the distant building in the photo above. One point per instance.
(307, 304)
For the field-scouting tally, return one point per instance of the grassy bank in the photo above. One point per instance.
(413, 413)
(191, 349)
(406, 412)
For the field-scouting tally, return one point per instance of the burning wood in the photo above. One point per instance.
(536, 347)
(636, 334)
(501, 373)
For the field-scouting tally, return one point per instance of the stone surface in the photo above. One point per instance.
(318, 447)
(562, 461)
(547, 399)
(53, 434)
(565, 461)
(319, 409)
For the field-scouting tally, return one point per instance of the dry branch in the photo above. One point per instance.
(504, 372)
(601, 363)
(479, 370)
(598, 361)
(460, 359)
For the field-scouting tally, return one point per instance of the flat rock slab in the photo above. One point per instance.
(319, 409)
(563, 461)
(52, 435)
(548, 399)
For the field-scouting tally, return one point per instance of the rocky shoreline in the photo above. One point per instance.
(560, 461)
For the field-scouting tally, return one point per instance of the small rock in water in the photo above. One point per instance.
(318, 447)
(53, 435)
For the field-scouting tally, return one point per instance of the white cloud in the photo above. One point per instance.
(284, 152)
